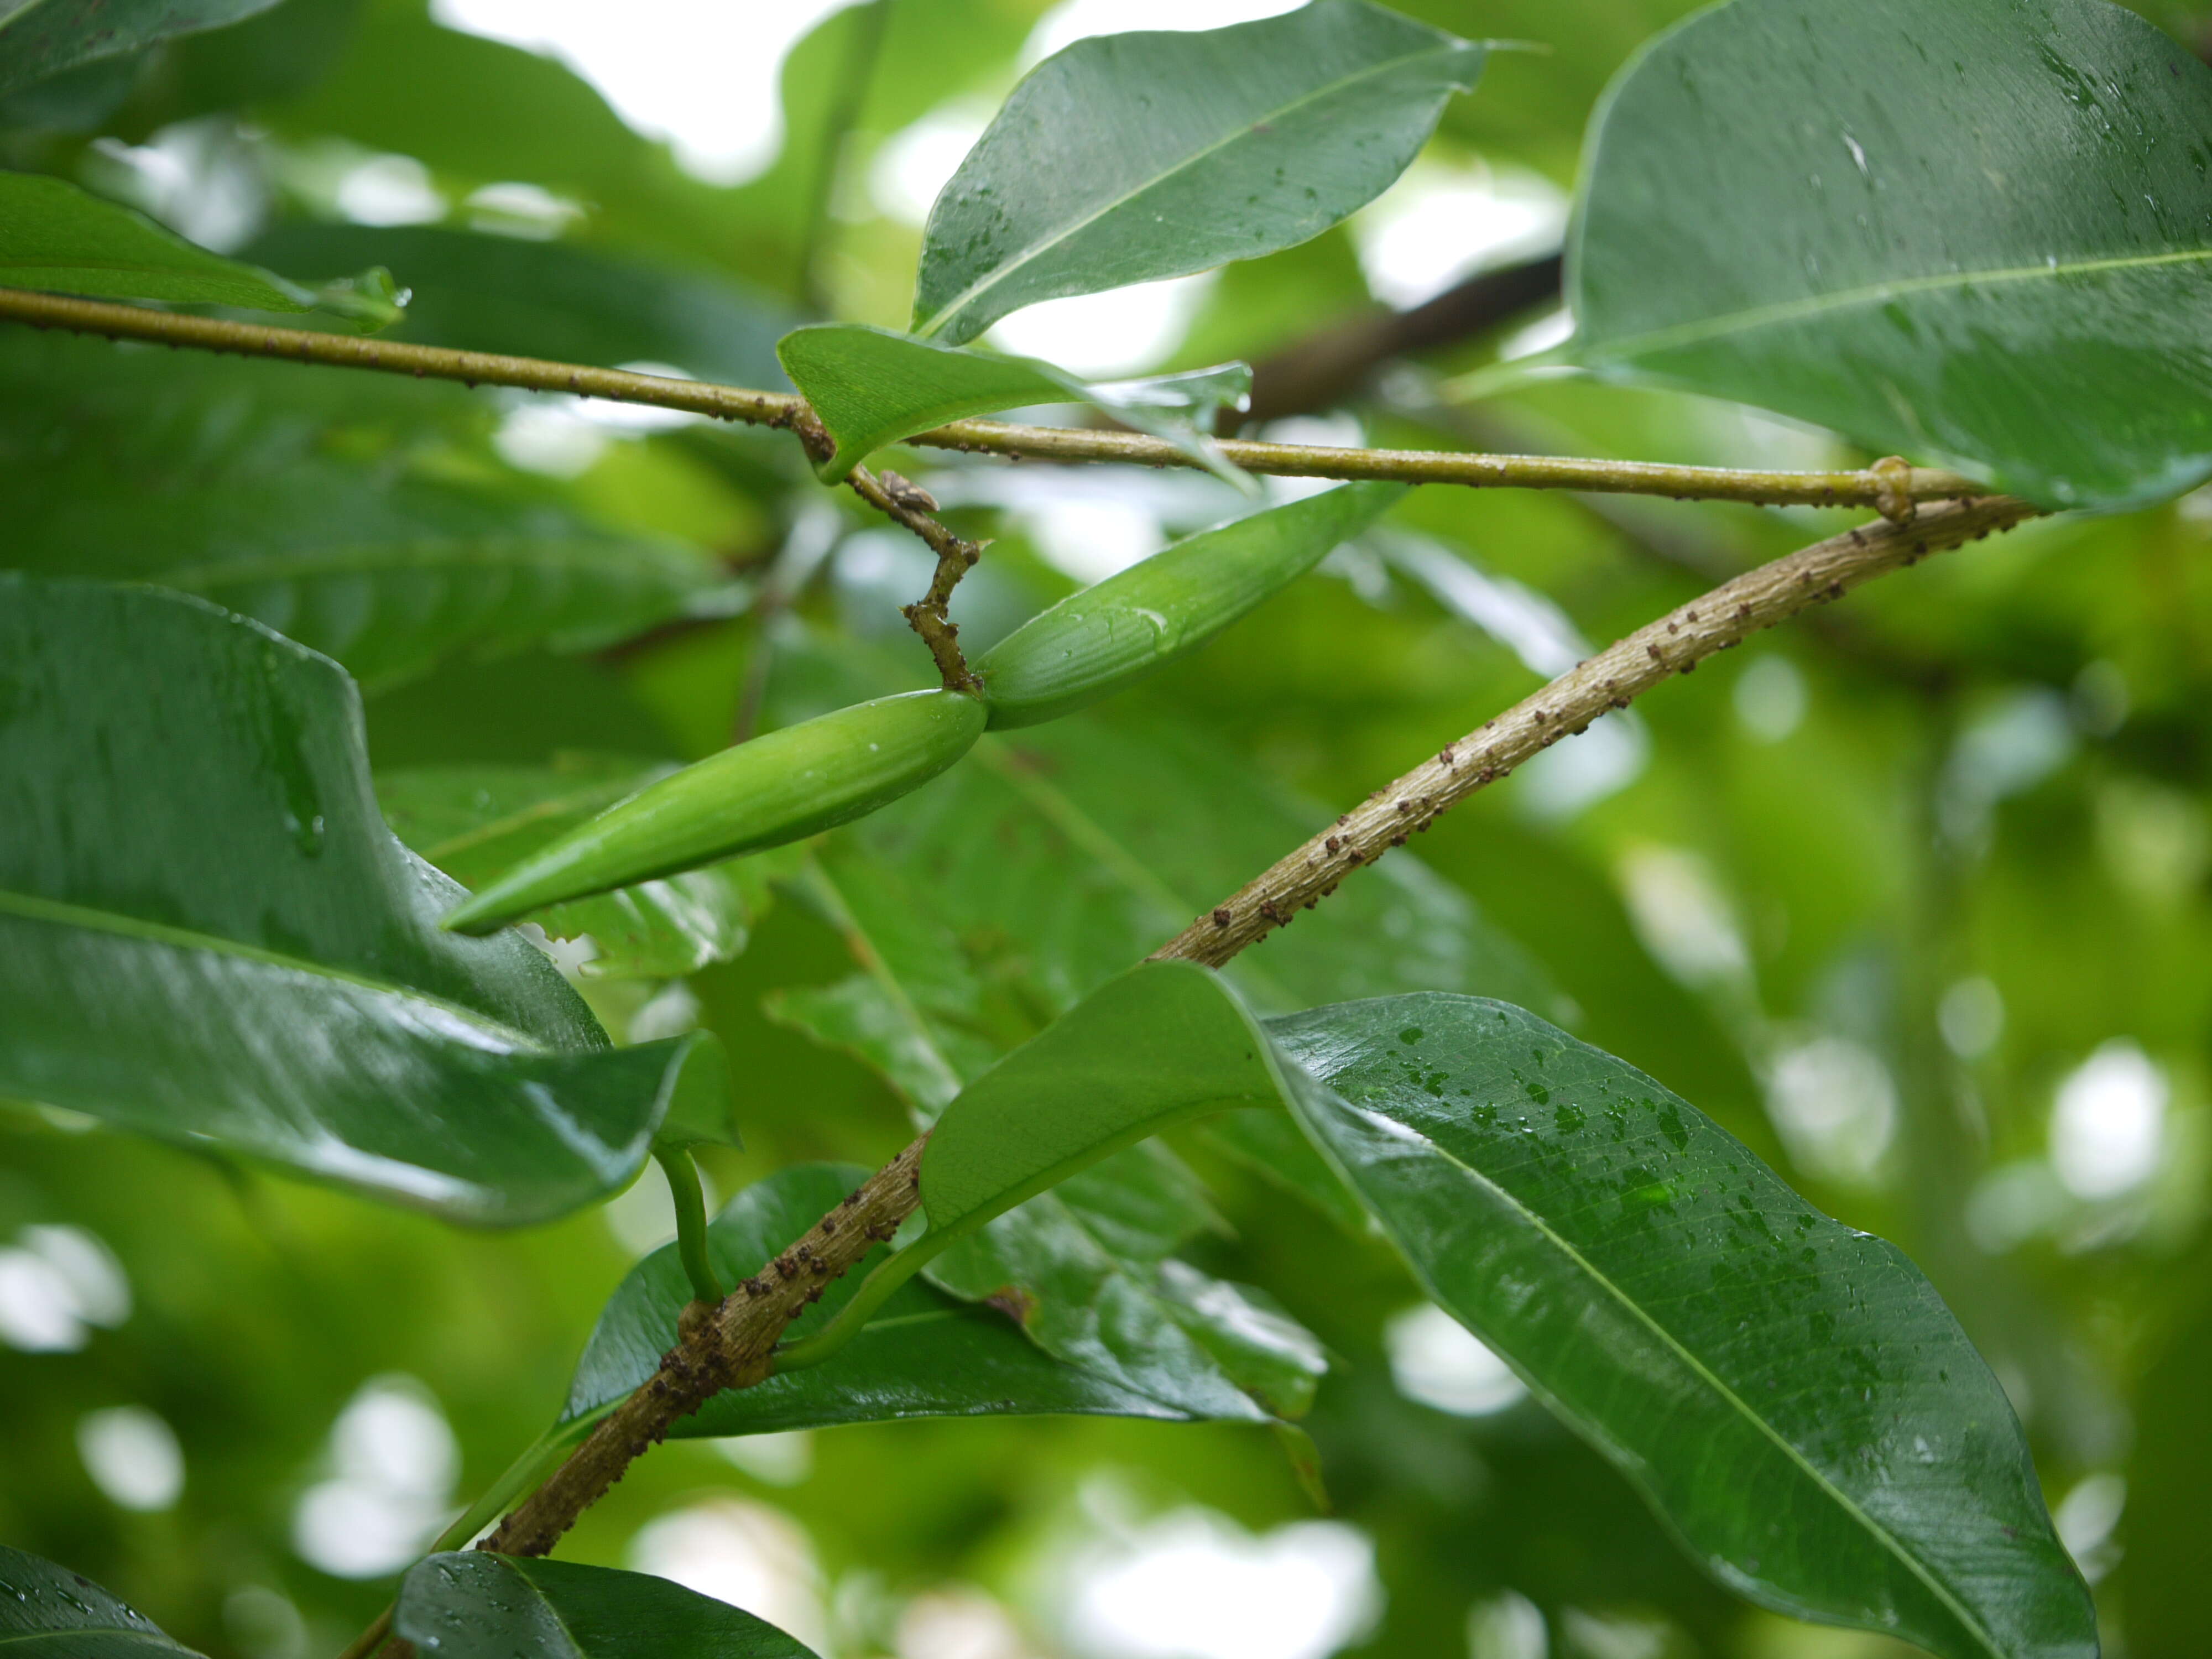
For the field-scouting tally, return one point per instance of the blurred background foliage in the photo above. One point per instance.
(1911, 896)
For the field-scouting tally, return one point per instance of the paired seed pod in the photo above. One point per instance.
(1097, 643)
(782, 787)
(810, 777)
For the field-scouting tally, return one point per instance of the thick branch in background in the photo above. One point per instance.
(1337, 363)
(1884, 489)
(732, 1347)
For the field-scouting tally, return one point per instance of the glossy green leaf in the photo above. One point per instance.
(924, 1353)
(872, 387)
(1068, 1266)
(476, 291)
(1975, 233)
(1788, 1393)
(1126, 158)
(473, 1605)
(53, 235)
(1084, 1267)
(773, 789)
(473, 822)
(332, 507)
(48, 1611)
(1165, 1043)
(207, 934)
(1095, 643)
(40, 38)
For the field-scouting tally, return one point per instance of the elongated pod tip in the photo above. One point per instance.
(1098, 643)
(779, 788)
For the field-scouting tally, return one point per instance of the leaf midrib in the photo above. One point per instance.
(60, 914)
(1789, 311)
(1842, 1499)
(985, 284)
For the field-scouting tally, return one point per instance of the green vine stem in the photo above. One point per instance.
(1888, 487)
(690, 1221)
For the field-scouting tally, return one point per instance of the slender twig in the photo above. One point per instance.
(733, 1346)
(915, 508)
(1885, 488)
(931, 615)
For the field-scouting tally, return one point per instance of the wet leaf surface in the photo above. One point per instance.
(1790, 1394)
(1977, 233)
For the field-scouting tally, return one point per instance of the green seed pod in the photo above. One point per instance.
(775, 788)
(1092, 644)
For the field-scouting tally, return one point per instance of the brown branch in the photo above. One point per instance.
(1675, 644)
(727, 1347)
(733, 1346)
(1336, 362)
(910, 505)
(1865, 487)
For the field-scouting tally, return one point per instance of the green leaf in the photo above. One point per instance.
(1107, 637)
(1082, 1267)
(872, 387)
(480, 292)
(473, 822)
(1790, 1393)
(1269, 1143)
(1974, 233)
(914, 1010)
(332, 513)
(48, 1611)
(924, 1354)
(1166, 1042)
(1061, 1266)
(1131, 157)
(473, 1605)
(40, 38)
(207, 934)
(53, 235)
